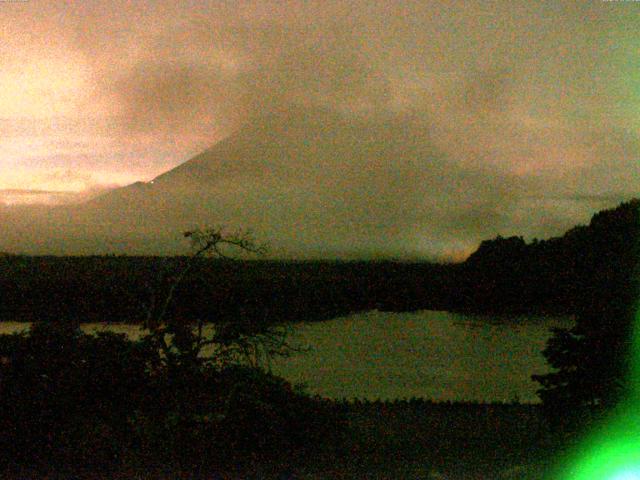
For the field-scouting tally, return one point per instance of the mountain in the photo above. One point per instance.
(312, 183)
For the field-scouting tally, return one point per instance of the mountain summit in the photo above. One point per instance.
(312, 183)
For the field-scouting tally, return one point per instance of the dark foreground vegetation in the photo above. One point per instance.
(74, 405)
(80, 406)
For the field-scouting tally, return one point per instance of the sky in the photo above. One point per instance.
(545, 95)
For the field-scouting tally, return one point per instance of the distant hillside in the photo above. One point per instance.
(98, 289)
(562, 275)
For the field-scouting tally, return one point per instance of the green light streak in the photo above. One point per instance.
(612, 450)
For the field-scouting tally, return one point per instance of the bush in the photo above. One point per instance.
(65, 396)
(74, 401)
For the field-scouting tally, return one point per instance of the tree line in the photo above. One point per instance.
(106, 401)
(504, 276)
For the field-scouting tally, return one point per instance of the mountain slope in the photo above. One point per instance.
(313, 183)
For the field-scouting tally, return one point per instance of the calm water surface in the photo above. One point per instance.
(436, 355)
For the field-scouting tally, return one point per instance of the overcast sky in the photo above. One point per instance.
(101, 93)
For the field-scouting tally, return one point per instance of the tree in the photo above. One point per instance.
(593, 360)
(205, 365)
(185, 396)
(244, 340)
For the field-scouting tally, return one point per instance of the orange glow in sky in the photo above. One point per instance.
(96, 94)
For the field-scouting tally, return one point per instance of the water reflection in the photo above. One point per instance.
(429, 354)
(436, 355)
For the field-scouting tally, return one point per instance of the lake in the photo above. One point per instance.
(430, 354)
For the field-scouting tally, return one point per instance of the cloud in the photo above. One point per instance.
(517, 106)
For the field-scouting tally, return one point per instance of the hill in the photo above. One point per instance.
(561, 273)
